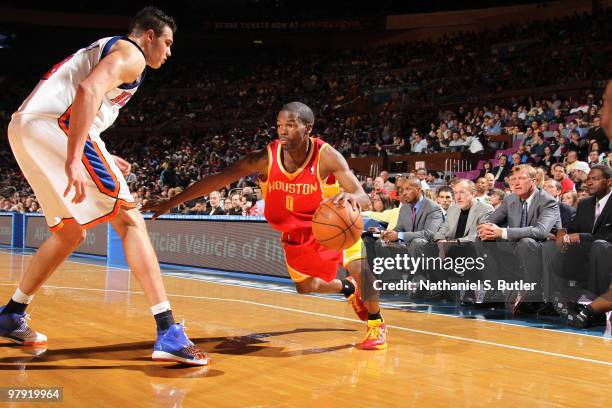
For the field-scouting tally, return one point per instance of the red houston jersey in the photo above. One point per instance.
(292, 198)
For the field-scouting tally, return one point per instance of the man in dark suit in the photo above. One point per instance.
(502, 170)
(530, 214)
(588, 240)
(553, 187)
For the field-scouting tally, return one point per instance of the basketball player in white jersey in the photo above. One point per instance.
(55, 137)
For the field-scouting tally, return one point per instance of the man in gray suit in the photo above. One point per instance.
(463, 217)
(456, 236)
(530, 214)
(419, 219)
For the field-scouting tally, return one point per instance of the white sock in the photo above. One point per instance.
(21, 297)
(160, 307)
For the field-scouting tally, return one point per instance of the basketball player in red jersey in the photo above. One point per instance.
(297, 172)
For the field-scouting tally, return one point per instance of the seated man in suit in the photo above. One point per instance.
(419, 218)
(588, 240)
(553, 187)
(502, 170)
(463, 217)
(456, 236)
(530, 214)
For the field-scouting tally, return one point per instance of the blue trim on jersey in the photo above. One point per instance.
(98, 166)
(136, 83)
(107, 48)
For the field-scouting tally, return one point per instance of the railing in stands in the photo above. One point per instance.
(452, 165)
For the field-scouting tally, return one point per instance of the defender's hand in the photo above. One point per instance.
(77, 179)
(124, 166)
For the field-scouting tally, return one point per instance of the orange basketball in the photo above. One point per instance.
(337, 228)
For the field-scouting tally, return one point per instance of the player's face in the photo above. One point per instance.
(292, 133)
(157, 49)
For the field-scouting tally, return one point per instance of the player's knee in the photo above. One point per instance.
(128, 219)
(72, 236)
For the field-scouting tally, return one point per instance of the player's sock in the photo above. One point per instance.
(347, 288)
(18, 303)
(375, 316)
(163, 316)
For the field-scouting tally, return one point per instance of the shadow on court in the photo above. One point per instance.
(251, 344)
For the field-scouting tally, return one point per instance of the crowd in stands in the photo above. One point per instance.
(197, 118)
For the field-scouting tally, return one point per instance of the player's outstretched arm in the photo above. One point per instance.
(332, 162)
(122, 65)
(254, 162)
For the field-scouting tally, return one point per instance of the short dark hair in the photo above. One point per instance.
(151, 18)
(447, 189)
(302, 111)
(606, 170)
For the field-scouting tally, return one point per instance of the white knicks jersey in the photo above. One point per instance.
(53, 96)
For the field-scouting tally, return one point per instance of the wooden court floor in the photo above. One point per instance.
(272, 349)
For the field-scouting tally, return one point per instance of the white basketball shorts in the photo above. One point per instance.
(39, 145)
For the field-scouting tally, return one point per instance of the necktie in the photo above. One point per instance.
(524, 215)
(597, 212)
(413, 217)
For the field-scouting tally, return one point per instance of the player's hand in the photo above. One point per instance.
(340, 198)
(77, 179)
(158, 206)
(124, 166)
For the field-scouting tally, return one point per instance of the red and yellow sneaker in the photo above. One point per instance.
(356, 301)
(376, 339)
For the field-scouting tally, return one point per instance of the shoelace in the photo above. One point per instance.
(373, 332)
(24, 329)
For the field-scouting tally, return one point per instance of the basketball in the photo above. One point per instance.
(338, 227)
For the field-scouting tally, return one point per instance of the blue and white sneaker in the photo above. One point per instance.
(173, 345)
(14, 326)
